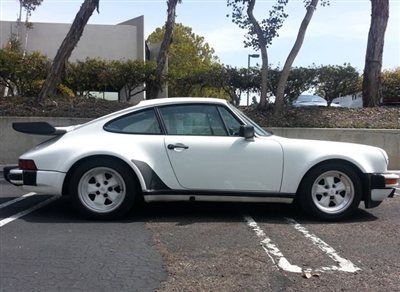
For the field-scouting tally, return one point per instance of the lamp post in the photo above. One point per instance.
(248, 69)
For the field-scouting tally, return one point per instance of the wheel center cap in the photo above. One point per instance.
(103, 189)
(332, 192)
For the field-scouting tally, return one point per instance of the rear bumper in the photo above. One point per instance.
(380, 187)
(38, 181)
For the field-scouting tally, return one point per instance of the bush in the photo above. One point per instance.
(21, 73)
(391, 85)
(103, 75)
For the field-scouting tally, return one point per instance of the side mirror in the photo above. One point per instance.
(246, 131)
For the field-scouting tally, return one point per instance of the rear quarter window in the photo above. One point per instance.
(142, 122)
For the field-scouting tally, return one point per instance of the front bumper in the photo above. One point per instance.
(380, 187)
(38, 181)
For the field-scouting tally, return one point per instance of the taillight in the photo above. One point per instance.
(391, 181)
(26, 164)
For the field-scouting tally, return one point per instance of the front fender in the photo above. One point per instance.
(301, 155)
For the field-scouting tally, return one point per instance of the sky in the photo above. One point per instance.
(336, 35)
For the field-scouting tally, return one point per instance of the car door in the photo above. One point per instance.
(206, 152)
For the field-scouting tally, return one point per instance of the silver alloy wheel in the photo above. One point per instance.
(101, 189)
(333, 192)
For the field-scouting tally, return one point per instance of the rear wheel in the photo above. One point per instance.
(330, 192)
(103, 189)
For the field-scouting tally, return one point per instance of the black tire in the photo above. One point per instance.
(305, 197)
(131, 188)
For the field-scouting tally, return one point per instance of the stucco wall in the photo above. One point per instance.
(13, 144)
(110, 42)
(124, 41)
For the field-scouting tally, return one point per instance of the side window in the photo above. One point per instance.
(143, 122)
(198, 120)
(231, 122)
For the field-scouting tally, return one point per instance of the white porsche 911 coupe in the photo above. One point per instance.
(197, 149)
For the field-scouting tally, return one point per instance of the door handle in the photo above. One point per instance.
(178, 145)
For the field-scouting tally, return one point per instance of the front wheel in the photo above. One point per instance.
(330, 192)
(103, 189)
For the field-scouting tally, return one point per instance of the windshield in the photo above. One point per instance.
(257, 129)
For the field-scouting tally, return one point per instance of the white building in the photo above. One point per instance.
(122, 41)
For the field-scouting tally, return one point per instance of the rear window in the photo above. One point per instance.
(143, 122)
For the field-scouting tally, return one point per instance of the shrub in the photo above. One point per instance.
(21, 73)
(391, 85)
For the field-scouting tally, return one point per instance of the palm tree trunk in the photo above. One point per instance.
(66, 48)
(155, 87)
(371, 87)
(280, 91)
(264, 54)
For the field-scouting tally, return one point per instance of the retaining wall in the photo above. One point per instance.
(13, 144)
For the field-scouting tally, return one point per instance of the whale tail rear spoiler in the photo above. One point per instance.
(40, 128)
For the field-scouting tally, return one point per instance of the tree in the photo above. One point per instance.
(300, 79)
(280, 91)
(391, 86)
(259, 33)
(155, 86)
(92, 74)
(130, 76)
(335, 81)
(371, 87)
(188, 55)
(229, 82)
(66, 48)
(95, 74)
(29, 6)
(21, 74)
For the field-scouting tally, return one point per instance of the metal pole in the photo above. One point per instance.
(248, 69)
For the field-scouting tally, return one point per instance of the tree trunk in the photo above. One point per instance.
(27, 28)
(19, 20)
(280, 91)
(264, 77)
(66, 48)
(371, 87)
(264, 55)
(156, 86)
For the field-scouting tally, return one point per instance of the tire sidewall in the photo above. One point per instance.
(305, 192)
(122, 170)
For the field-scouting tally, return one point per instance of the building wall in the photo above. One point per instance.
(111, 42)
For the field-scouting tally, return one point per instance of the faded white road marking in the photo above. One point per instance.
(27, 211)
(344, 264)
(281, 262)
(271, 249)
(10, 202)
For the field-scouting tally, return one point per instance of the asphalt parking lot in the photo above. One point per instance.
(46, 246)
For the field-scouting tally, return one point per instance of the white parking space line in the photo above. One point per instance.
(27, 211)
(281, 262)
(344, 264)
(271, 249)
(10, 202)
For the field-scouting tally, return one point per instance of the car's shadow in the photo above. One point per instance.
(184, 213)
